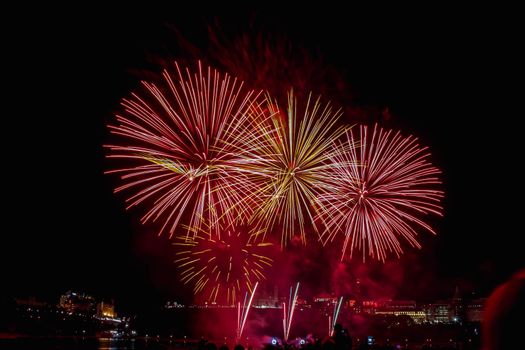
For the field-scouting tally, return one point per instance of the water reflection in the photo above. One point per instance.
(90, 343)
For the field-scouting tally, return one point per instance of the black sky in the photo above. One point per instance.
(446, 76)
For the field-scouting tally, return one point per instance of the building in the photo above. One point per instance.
(439, 312)
(325, 298)
(397, 308)
(373, 306)
(370, 306)
(458, 308)
(31, 302)
(79, 303)
(400, 305)
(324, 303)
(418, 316)
(267, 303)
(474, 310)
(106, 310)
(173, 305)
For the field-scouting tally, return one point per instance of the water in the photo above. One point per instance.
(80, 343)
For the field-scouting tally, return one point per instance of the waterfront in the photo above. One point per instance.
(77, 323)
(93, 343)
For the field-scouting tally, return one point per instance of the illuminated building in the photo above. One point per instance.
(324, 302)
(266, 303)
(474, 310)
(370, 306)
(439, 313)
(77, 303)
(452, 311)
(325, 298)
(302, 303)
(373, 306)
(106, 310)
(402, 305)
(173, 305)
(395, 308)
(417, 316)
(30, 302)
(458, 310)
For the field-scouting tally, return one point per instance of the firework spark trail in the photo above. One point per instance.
(184, 144)
(376, 193)
(222, 269)
(289, 312)
(332, 321)
(239, 319)
(292, 156)
(242, 316)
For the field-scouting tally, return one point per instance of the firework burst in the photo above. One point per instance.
(184, 144)
(292, 156)
(377, 192)
(222, 269)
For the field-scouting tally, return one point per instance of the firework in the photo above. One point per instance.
(378, 191)
(222, 269)
(333, 320)
(242, 313)
(291, 160)
(289, 311)
(184, 144)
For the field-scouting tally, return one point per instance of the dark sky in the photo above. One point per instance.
(446, 77)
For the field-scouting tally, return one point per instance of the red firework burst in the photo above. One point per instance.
(185, 143)
(377, 191)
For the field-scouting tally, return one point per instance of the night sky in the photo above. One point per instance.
(445, 77)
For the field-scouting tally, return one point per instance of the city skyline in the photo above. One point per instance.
(458, 308)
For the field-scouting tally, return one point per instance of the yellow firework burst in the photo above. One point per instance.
(222, 269)
(293, 157)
